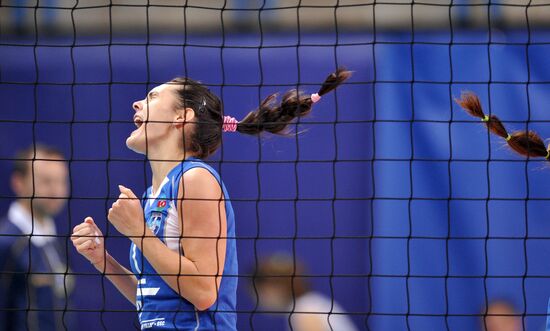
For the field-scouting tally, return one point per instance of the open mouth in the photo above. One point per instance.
(138, 121)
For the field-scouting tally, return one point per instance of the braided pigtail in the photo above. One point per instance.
(275, 117)
(526, 143)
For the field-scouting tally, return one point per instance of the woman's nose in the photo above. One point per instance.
(137, 105)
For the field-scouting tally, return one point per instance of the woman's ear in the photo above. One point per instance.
(186, 115)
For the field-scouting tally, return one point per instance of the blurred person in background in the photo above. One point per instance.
(501, 315)
(23, 14)
(465, 10)
(280, 288)
(34, 285)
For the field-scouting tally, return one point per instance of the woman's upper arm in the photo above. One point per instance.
(203, 220)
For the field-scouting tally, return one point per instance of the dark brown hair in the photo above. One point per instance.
(24, 157)
(270, 116)
(526, 143)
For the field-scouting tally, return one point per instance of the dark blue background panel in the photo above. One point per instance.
(418, 214)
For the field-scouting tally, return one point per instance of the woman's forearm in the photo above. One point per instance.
(122, 278)
(179, 272)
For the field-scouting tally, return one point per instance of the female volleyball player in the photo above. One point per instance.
(183, 252)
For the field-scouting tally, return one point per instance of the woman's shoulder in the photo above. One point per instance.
(190, 166)
(198, 170)
(200, 179)
(195, 177)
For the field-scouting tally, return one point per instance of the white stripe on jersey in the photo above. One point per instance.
(197, 319)
(134, 259)
(145, 291)
(172, 231)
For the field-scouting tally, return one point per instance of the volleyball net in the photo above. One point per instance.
(399, 209)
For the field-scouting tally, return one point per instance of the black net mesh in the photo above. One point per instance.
(387, 208)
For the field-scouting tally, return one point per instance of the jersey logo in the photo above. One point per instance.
(155, 221)
(161, 203)
(147, 324)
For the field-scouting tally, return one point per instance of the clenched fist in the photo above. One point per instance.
(88, 241)
(126, 214)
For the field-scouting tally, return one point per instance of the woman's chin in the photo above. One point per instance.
(133, 144)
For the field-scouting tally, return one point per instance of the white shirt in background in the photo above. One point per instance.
(325, 310)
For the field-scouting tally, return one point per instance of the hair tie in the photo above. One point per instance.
(315, 97)
(485, 118)
(508, 137)
(229, 124)
(202, 107)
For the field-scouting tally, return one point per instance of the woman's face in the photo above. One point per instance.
(156, 118)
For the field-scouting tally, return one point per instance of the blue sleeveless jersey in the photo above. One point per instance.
(160, 307)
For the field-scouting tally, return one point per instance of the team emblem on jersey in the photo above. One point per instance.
(155, 222)
(161, 204)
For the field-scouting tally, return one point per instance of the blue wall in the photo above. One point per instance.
(420, 197)
(455, 210)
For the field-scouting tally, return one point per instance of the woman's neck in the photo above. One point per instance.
(161, 166)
